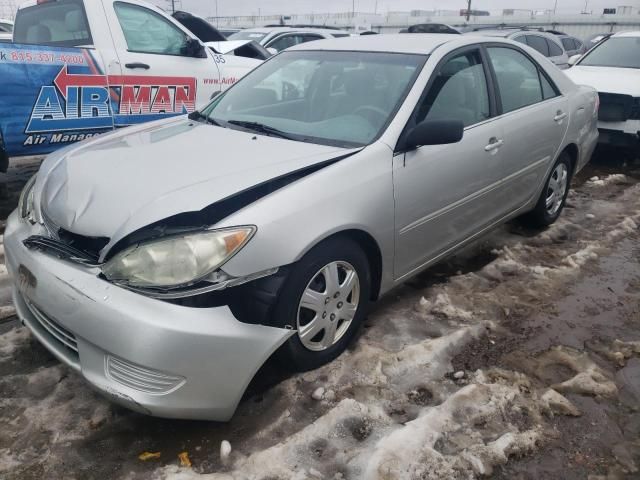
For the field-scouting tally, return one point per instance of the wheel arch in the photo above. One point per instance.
(574, 154)
(370, 247)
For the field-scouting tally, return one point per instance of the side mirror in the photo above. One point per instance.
(574, 59)
(435, 132)
(272, 51)
(193, 48)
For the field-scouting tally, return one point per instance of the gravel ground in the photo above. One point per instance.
(517, 359)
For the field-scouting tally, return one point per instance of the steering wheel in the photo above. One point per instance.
(369, 111)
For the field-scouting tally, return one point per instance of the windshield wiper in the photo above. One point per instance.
(262, 128)
(197, 115)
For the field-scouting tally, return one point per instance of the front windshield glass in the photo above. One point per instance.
(332, 98)
(255, 36)
(621, 52)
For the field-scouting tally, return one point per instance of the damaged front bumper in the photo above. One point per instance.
(151, 356)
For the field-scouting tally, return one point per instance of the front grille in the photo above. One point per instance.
(89, 246)
(141, 378)
(61, 335)
(615, 107)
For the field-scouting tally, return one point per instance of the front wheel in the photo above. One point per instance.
(554, 194)
(325, 299)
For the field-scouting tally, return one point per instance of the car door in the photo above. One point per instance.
(534, 121)
(446, 193)
(163, 71)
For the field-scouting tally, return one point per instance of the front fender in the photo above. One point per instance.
(353, 194)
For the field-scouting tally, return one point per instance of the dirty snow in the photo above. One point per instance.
(391, 407)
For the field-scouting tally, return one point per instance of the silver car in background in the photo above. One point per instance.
(547, 44)
(167, 262)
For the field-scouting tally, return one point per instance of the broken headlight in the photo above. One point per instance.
(177, 261)
(25, 205)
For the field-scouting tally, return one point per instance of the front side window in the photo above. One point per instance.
(458, 92)
(285, 41)
(621, 52)
(61, 23)
(554, 49)
(539, 44)
(325, 97)
(518, 78)
(145, 31)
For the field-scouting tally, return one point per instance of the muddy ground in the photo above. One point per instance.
(517, 359)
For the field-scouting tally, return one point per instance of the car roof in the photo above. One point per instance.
(627, 34)
(416, 43)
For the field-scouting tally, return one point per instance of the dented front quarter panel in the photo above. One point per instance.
(353, 194)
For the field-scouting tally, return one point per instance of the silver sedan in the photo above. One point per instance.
(167, 262)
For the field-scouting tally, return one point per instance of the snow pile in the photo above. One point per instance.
(13, 340)
(608, 180)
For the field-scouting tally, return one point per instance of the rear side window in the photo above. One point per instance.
(145, 31)
(554, 48)
(518, 78)
(548, 91)
(538, 43)
(6, 27)
(62, 23)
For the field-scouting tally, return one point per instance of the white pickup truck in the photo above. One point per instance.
(78, 68)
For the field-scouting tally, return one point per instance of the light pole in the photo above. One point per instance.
(555, 8)
(468, 9)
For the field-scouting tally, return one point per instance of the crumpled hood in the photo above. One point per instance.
(115, 185)
(624, 81)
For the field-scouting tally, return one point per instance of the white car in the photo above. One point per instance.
(613, 68)
(6, 27)
(281, 38)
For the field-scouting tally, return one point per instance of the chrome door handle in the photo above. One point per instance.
(494, 144)
(559, 116)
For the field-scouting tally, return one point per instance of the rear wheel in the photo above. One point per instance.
(554, 194)
(324, 299)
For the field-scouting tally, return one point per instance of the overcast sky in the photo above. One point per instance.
(250, 7)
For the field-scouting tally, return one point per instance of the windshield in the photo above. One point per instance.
(255, 36)
(333, 98)
(622, 52)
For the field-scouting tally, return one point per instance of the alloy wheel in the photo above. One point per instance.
(557, 188)
(328, 305)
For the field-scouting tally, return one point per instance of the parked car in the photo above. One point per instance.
(613, 68)
(167, 262)
(545, 43)
(218, 43)
(281, 38)
(572, 45)
(596, 38)
(430, 28)
(79, 68)
(6, 27)
(227, 32)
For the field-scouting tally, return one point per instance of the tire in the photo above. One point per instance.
(312, 347)
(555, 191)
